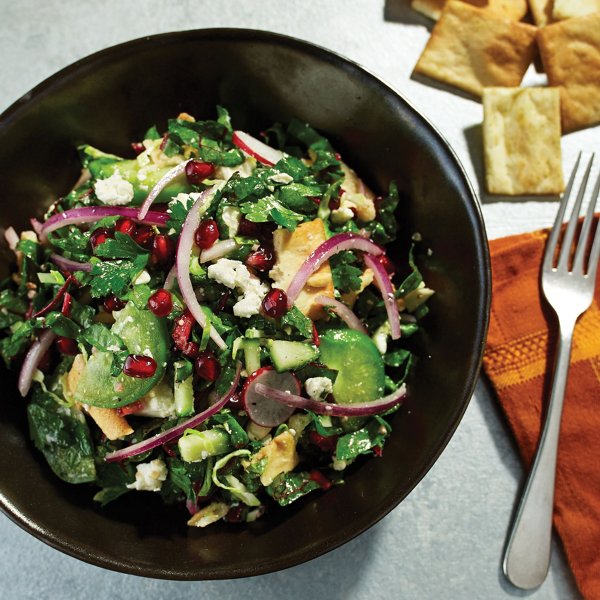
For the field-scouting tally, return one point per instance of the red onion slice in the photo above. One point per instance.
(32, 360)
(259, 150)
(182, 263)
(336, 243)
(170, 278)
(170, 434)
(218, 250)
(91, 214)
(382, 279)
(342, 311)
(37, 226)
(360, 409)
(66, 264)
(160, 185)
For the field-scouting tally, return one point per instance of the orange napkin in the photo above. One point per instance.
(518, 360)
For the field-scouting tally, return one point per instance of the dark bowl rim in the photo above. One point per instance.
(236, 33)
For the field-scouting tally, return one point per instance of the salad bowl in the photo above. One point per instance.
(109, 99)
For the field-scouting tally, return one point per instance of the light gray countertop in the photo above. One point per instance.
(445, 540)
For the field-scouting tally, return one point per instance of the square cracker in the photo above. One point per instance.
(472, 48)
(521, 141)
(542, 11)
(570, 52)
(569, 9)
(511, 9)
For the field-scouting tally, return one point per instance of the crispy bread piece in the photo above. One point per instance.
(521, 131)
(511, 9)
(569, 9)
(542, 11)
(292, 248)
(570, 52)
(472, 48)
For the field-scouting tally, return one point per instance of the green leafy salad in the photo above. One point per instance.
(214, 320)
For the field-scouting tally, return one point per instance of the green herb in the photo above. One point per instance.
(122, 246)
(351, 445)
(270, 209)
(346, 275)
(288, 487)
(115, 277)
(298, 321)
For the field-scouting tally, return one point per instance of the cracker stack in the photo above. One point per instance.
(481, 47)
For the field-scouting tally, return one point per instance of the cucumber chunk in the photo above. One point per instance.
(195, 446)
(288, 356)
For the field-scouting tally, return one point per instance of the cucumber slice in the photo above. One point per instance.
(252, 355)
(184, 397)
(288, 356)
(195, 446)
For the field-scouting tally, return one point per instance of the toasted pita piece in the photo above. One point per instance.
(521, 134)
(542, 11)
(570, 52)
(472, 48)
(511, 9)
(113, 425)
(569, 9)
(292, 248)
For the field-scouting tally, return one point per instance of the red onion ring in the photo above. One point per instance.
(182, 263)
(69, 265)
(170, 434)
(160, 185)
(170, 278)
(360, 409)
(218, 250)
(32, 360)
(56, 300)
(382, 279)
(336, 243)
(90, 214)
(37, 226)
(342, 311)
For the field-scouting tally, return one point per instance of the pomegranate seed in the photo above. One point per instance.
(207, 367)
(234, 402)
(161, 303)
(222, 301)
(377, 450)
(163, 249)
(387, 264)
(125, 225)
(206, 234)
(168, 448)
(137, 147)
(274, 304)
(111, 302)
(235, 514)
(183, 329)
(191, 350)
(315, 335)
(144, 236)
(323, 482)
(197, 171)
(140, 366)
(261, 260)
(99, 236)
(134, 407)
(255, 230)
(326, 443)
(67, 346)
(67, 304)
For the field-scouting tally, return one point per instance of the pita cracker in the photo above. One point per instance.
(569, 9)
(542, 11)
(471, 48)
(511, 9)
(570, 51)
(521, 139)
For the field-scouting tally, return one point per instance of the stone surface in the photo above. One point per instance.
(445, 540)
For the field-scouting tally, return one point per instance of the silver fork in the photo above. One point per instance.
(569, 291)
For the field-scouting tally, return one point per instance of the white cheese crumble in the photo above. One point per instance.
(284, 178)
(149, 476)
(318, 387)
(234, 274)
(341, 215)
(231, 217)
(143, 277)
(114, 191)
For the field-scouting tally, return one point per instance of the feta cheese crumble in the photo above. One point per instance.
(234, 274)
(149, 476)
(114, 191)
(318, 387)
(231, 217)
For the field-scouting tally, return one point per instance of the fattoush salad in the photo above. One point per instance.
(214, 319)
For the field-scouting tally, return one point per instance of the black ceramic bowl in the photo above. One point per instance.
(109, 99)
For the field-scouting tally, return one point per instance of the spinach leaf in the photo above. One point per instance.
(349, 446)
(298, 321)
(345, 273)
(270, 209)
(288, 487)
(383, 228)
(61, 433)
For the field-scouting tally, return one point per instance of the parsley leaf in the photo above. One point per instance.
(116, 276)
(296, 319)
(346, 276)
(122, 246)
(383, 228)
(270, 209)
(178, 211)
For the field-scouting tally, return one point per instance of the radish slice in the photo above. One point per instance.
(37, 226)
(11, 237)
(170, 434)
(32, 360)
(170, 278)
(261, 409)
(360, 409)
(161, 184)
(91, 214)
(261, 152)
(182, 263)
(67, 264)
(336, 243)
(382, 279)
(218, 250)
(342, 311)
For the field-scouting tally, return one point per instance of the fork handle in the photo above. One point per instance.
(527, 553)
